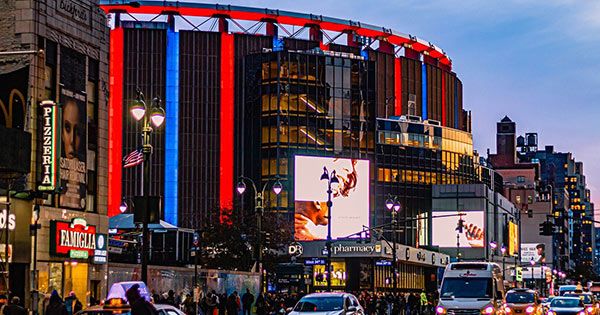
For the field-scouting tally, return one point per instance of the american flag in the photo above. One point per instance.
(136, 157)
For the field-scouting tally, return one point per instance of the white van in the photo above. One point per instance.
(471, 288)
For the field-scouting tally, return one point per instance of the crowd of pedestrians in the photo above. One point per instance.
(374, 303)
(382, 303)
(213, 303)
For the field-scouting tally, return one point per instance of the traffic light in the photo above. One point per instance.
(266, 238)
(519, 274)
(546, 228)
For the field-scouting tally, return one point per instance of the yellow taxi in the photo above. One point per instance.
(523, 302)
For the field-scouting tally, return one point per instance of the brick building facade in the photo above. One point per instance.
(64, 46)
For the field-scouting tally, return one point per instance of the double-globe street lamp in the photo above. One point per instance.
(259, 197)
(332, 183)
(393, 205)
(155, 117)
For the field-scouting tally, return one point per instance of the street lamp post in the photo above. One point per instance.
(394, 206)
(493, 246)
(503, 251)
(332, 182)
(155, 118)
(259, 197)
(532, 262)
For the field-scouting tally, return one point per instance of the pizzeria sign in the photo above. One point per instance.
(75, 239)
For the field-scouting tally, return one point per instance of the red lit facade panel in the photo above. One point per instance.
(115, 126)
(227, 124)
(397, 87)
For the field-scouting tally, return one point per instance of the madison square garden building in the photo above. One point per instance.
(269, 94)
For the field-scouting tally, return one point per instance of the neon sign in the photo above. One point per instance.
(49, 144)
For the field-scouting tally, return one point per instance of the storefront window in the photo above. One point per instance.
(76, 279)
(338, 278)
(64, 278)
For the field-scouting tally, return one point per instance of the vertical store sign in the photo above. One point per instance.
(50, 145)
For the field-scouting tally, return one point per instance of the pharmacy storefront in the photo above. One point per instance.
(76, 257)
(368, 266)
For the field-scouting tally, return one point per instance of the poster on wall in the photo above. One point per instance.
(73, 130)
(350, 210)
(445, 229)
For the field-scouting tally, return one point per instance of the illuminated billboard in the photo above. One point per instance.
(513, 238)
(350, 210)
(445, 224)
(533, 251)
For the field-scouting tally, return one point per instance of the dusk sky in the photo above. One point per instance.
(536, 61)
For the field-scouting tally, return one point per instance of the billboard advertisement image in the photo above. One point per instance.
(533, 251)
(350, 210)
(445, 229)
(73, 130)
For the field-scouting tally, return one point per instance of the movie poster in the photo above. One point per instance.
(73, 130)
(350, 199)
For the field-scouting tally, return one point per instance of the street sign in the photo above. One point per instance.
(383, 263)
(314, 261)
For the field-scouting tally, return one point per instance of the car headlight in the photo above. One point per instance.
(589, 309)
(581, 313)
(488, 310)
(529, 309)
(507, 309)
(551, 313)
(440, 310)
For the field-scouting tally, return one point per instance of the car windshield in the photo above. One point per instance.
(564, 303)
(320, 304)
(521, 297)
(586, 298)
(467, 288)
